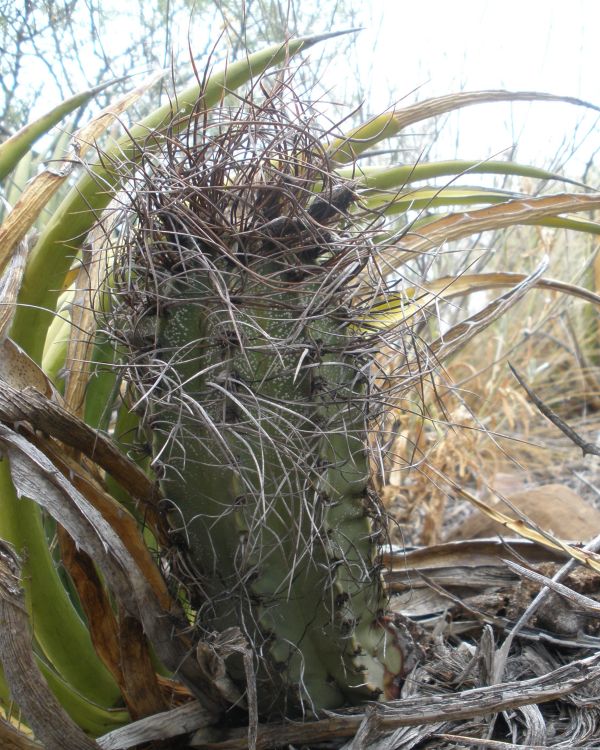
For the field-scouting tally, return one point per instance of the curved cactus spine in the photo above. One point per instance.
(233, 282)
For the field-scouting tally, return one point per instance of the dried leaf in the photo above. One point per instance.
(50, 722)
(12, 739)
(401, 308)
(18, 371)
(414, 711)
(50, 417)
(140, 686)
(162, 726)
(458, 225)
(522, 528)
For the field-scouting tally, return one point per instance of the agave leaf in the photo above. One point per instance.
(345, 149)
(13, 149)
(91, 717)
(67, 642)
(575, 223)
(385, 178)
(79, 211)
(21, 522)
(39, 191)
(414, 300)
(432, 197)
(59, 630)
(51, 418)
(123, 523)
(113, 640)
(521, 211)
(55, 348)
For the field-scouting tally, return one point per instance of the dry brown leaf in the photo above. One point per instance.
(19, 371)
(140, 685)
(10, 283)
(458, 225)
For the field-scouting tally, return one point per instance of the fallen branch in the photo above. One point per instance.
(411, 711)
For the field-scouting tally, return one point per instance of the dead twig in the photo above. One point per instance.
(587, 448)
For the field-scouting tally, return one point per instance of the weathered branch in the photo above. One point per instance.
(416, 711)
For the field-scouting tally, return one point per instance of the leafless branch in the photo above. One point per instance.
(586, 447)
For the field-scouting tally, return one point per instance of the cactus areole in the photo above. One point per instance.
(237, 274)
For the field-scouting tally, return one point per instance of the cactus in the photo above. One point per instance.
(233, 286)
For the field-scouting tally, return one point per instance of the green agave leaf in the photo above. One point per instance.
(55, 349)
(432, 197)
(358, 140)
(13, 149)
(384, 178)
(571, 222)
(38, 192)
(79, 210)
(91, 717)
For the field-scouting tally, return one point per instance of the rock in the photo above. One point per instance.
(553, 507)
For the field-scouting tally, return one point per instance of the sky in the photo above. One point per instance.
(420, 51)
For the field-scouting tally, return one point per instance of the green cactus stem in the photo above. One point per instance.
(233, 284)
